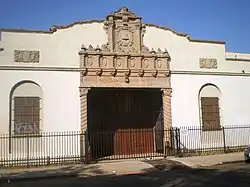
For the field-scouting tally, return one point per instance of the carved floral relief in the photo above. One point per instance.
(208, 63)
(26, 56)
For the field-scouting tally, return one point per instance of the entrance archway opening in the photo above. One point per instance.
(124, 121)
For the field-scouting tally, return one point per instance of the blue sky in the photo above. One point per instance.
(226, 20)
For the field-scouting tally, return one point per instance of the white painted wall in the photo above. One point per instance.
(234, 104)
(60, 89)
(61, 104)
(235, 99)
(185, 54)
(60, 49)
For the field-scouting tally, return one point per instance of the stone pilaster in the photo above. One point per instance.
(166, 101)
(167, 118)
(83, 103)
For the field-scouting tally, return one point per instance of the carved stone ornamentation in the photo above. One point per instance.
(167, 74)
(127, 79)
(125, 62)
(113, 72)
(99, 72)
(208, 63)
(124, 56)
(146, 63)
(83, 91)
(154, 73)
(26, 56)
(159, 63)
(127, 73)
(141, 72)
(167, 92)
(84, 72)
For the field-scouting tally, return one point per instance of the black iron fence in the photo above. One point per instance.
(80, 147)
(42, 149)
(190, 141)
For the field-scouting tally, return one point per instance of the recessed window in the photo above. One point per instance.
(210, 113)
(209, 98)
(26, 115)
(26, 108)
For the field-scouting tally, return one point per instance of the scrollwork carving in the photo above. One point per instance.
(133, 62)
(119, 62)
(90, 61)
(127, 73)
(159, 63)
(124, 54)
(113, 72)
(104, 62)
(141, 72)
(99, 72)
(154, 73)
(127, 79)
(146, 63)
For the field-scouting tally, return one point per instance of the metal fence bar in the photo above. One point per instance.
(76, 147)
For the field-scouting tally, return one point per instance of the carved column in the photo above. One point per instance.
(83, 103)
(166, 101)
(167, 117)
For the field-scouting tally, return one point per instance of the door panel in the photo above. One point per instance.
(122, 121)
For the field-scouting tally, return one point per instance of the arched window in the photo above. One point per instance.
(209, 98)
(26, 105)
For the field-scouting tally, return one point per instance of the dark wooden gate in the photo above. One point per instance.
(122, 121)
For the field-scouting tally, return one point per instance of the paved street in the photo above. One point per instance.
(170, 175)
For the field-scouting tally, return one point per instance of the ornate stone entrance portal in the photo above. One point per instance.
(124, 62)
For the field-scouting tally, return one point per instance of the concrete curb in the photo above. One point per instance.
(231, 162)
(17, 178)
(196, 165)
(11, 178)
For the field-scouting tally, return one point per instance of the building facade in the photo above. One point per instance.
(65, 79)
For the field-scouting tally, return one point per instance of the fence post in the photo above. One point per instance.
(165, 142)
(87, 148)
(82, 138)
(224, 140)
(177, 137)
(28, 148)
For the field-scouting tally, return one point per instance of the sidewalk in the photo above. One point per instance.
(210, 160)
(123, 167)
(115, 168)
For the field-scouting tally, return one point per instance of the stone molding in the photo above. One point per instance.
(70, 69)
(26, 56)
(84, 107)
(83, 91)
(167, 92)
(124, 55)
(167, 113)
(208, 63)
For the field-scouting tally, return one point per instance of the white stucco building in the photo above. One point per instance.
(45, 68)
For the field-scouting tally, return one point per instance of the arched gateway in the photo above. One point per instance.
(125, 90)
